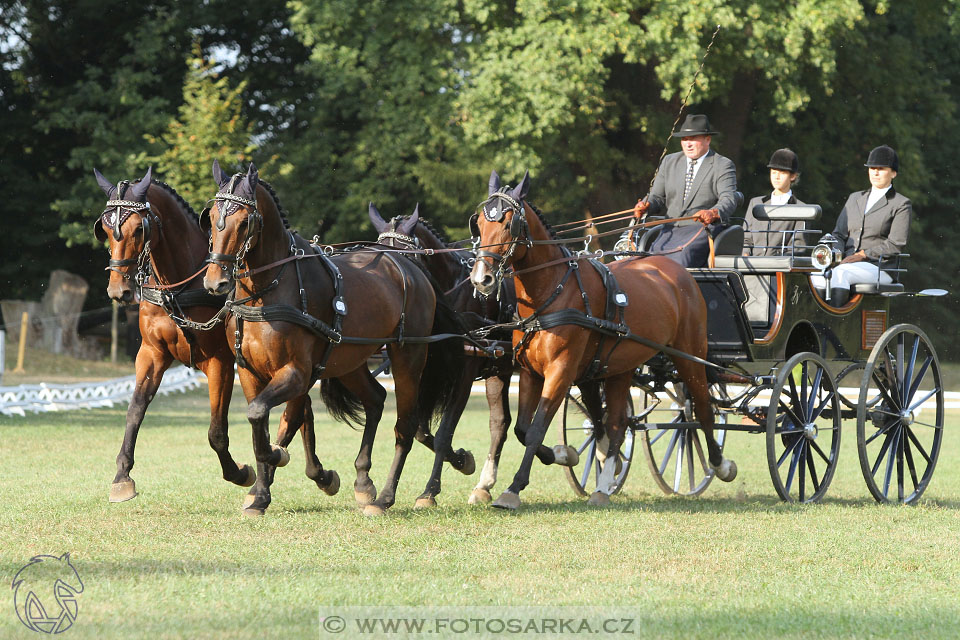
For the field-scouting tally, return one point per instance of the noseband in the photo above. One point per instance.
(121, 210)
(229, 203)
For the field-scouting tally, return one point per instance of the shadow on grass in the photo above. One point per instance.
(710, 505)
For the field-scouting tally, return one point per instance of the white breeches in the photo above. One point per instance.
(851, 273)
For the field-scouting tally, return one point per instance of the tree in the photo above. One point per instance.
(384, 74)
(210, 127)
(84, 82)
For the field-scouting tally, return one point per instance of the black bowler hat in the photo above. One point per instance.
(883, 156)
(785, 160)
(694, 125)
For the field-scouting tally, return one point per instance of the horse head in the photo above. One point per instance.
(400, 231)
(500, 233)
(128, 223)
(234, 224)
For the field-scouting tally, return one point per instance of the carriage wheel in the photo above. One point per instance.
(803, 429)
(581, 433)
(678, 457)
(852, 373)
(898, 438)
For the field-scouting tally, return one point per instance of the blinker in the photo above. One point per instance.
(493, 214)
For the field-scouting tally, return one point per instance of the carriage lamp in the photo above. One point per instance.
(624, 244)
(827, 253)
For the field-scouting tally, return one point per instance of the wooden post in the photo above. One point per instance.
(24, 322)
(114, 322)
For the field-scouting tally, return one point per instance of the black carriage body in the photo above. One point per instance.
(764, 310)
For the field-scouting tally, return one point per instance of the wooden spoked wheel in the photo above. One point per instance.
(580, 432)
(899, 436)
(677, 457)
(803, 429)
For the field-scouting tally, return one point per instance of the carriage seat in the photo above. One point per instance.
(729, 242)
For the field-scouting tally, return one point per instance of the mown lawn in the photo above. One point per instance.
(180, 561)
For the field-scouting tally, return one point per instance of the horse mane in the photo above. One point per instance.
(429, 227)
(176, 196)
(276, 201)
(546, 225)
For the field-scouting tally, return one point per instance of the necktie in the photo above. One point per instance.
(688, 179)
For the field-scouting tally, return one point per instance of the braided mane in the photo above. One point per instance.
(276, 201)
(546, 225)
(183, 203)
(429, 227)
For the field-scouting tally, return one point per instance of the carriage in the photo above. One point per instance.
(788, 365)
(777, 354)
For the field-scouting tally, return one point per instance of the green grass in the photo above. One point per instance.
(180, 561)
(42, 366)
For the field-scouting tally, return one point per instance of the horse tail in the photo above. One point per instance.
(341, 403)
(445, 361)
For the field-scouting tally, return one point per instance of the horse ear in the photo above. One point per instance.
(103, 182)
(139, 191)
(494, 183)
(406, 228)
(378, 222)
(522, 189)
(219, 176)
(253, 177)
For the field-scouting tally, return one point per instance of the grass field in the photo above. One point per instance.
(180, 561)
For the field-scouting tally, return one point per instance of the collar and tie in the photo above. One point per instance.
(688, 179)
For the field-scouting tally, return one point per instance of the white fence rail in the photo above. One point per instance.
(86, 395)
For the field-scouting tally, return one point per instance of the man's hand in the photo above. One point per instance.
(707, 216)
(859, 256)
(640, 208)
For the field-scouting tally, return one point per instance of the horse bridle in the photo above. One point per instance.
(495, 209)
(123, 209)
(229, 203)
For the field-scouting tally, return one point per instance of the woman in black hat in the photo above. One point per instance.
(773, 237)
(873, 226)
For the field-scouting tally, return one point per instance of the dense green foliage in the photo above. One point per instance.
(401, 102)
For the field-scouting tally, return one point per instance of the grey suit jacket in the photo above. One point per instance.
(714, 187)
(764, 238)
(881, 232)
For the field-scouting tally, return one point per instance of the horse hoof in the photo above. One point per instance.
(508, 500)
(374, 510)
(479, 496)
(599, 499)
(469, 464)
(333, 486)
(284, 455)
(364, 498)
(566, 456)
(250, 476)
(253, 512)
(726, 471)
(425, 503)
(248, 500)
(123, 491)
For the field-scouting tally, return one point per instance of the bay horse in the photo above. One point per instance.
(299, 316)
(653, 299)
(156, 241)
(451, 270)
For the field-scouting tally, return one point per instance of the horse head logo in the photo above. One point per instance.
(45, 593)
